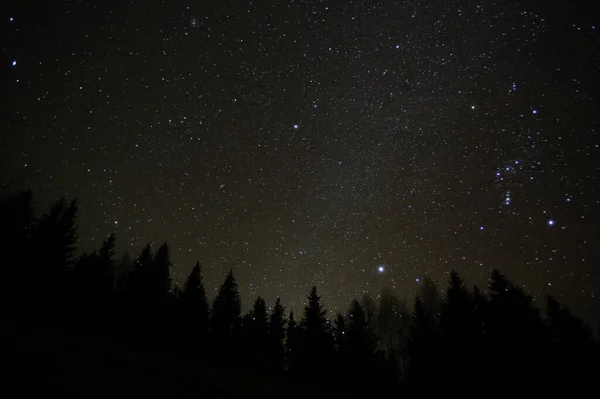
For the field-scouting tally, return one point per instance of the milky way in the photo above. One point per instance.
(345, 144)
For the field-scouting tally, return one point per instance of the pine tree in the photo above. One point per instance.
(357, 350)
(293, 345)
(258, 330)
(339, 330)
(571, 347)
(94, 276)
(514, 329)
(195, 302)
(459, 331)
(431, 300)
(162, 270)
(53, 239)
(226, 317)
(316, 356)
(138, 280)
(423, 345)
(276, 335)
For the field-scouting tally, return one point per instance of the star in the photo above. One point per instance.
(380, 268)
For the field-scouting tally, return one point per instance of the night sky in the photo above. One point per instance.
(347, 144)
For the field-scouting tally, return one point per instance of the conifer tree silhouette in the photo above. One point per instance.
(255, 331)
(195, 308)
(194, 295)
(393, 323)
(93, 281)
(226, 318)
(293, 346)
(422, 346)
(139, 279)
(515, 330)
(317, 347)
(339, 330)
(459, 332)
(162, 271)
(53, 237)
(276, 335)
(570, 343)
(357, 350)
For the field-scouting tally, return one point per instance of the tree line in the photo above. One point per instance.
(463, 338)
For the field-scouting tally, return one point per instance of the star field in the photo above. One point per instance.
(346, 144)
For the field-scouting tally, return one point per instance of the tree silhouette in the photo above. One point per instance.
(459, 331)
(370, 309)
(339, 329)
(514, 330)
(139, 279)
(275, 337)
(196, 308)
(193, 295)
(293, 346)
(53, 237)
(422, 346)
(162, 270)
(226, 317)
(572, 344)
(431, 300)
(123, 268)
(357, 349)
(316, 355)
(393, 326)
(256, 330)
(94, 281)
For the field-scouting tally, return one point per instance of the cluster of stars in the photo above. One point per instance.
(305, 143)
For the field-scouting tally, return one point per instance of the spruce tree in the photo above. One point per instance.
(293, 346)
(276, 335)
(423, 345)
(317, 351)
(195, 302)
(226, 317)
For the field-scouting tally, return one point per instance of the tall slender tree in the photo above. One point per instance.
(276, 335)
(226, 317)
(195, 302)
(293, 346)
(316, 356)
(423, 345)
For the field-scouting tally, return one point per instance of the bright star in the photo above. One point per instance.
(14, 63)
(295, 126)
(381, 269)
(550, 222)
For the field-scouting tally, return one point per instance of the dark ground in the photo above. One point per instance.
(55, 363)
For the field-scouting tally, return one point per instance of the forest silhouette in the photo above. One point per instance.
(95, 325)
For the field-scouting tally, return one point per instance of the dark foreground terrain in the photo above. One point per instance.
(55, 363)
